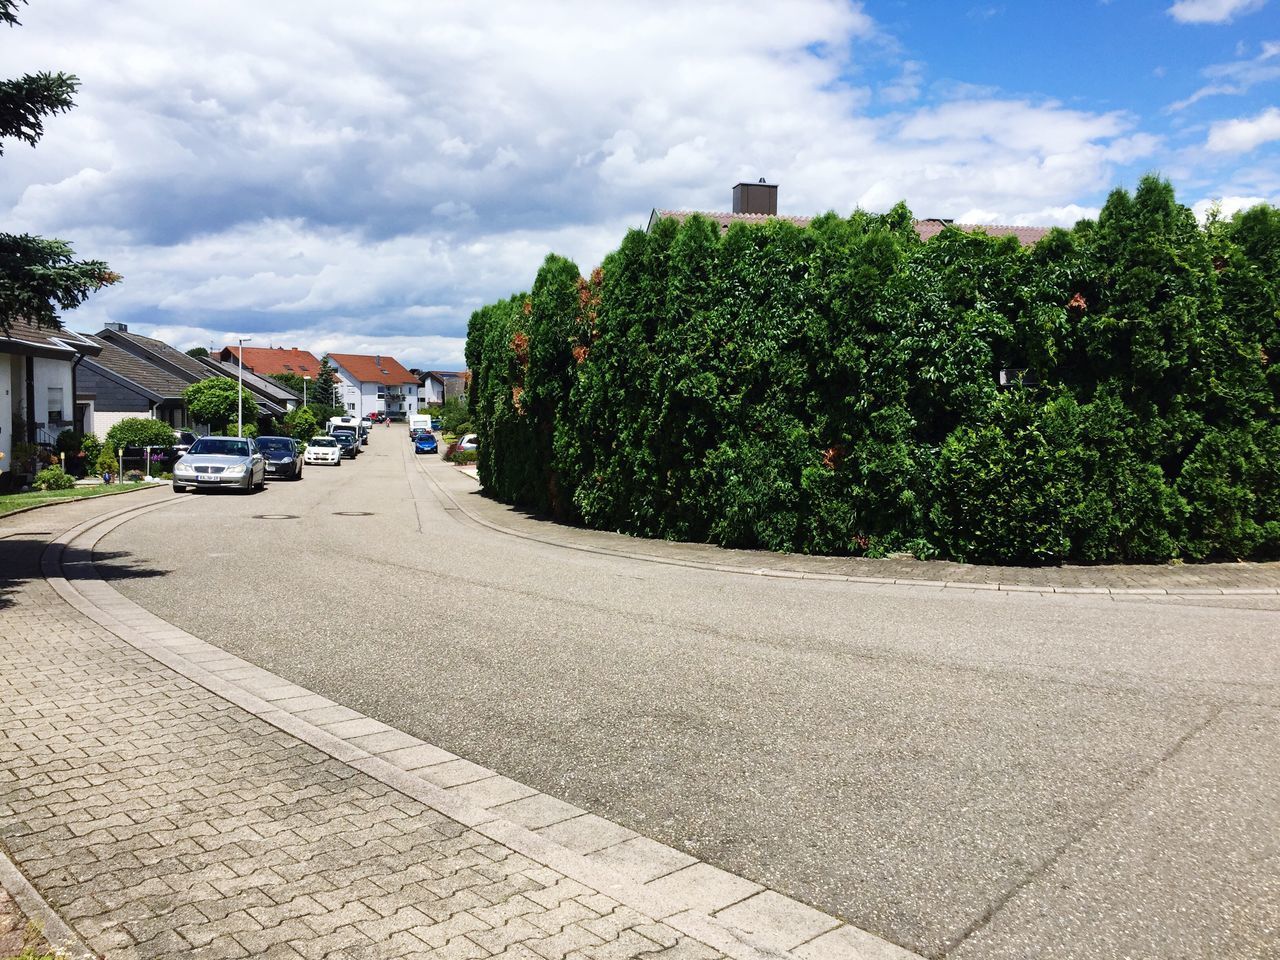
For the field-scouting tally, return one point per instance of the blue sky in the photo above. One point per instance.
(360, 179)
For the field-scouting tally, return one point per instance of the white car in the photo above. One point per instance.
(323, 449)
(469, 441)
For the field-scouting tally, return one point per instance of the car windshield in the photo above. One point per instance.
(220, 447)
(274, 444)
(323, 442)
(343, 435)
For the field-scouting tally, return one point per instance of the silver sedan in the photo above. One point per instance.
(221, 462)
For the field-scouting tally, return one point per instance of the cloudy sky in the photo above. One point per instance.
(360, 177)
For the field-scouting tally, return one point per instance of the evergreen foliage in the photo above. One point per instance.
(39, 276)
(836, 389)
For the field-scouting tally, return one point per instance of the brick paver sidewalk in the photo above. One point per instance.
(167, 799)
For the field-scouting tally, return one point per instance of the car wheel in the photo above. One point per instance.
(179, 488)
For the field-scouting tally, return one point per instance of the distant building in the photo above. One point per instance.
(265, 361)
(758, 203)
(374, 384)
(436, 386)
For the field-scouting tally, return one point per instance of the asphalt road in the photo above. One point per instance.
(975, 775)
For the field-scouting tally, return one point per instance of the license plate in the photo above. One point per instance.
(271, 468)
(207, 478)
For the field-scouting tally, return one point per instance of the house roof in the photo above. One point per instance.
(29, 339)
(373, 369)
(188, 368)
(265, 361)
(443, 375)
(925, 229)
(154, 380)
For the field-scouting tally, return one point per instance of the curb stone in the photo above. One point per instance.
(743, 919)
(783, 574)
(64, 941)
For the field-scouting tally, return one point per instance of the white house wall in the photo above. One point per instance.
(8, 385)
(104, 420)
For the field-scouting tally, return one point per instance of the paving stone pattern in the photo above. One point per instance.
(161, 821)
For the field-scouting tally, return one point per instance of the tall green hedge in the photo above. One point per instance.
(834, 389)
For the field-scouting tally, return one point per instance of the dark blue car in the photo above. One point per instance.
(425, 443)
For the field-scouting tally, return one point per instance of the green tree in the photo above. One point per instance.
(453, 414)
(39, 276)
(198, 352)
(325, 386)
(214, 401)
(291, 380)
(301, 424)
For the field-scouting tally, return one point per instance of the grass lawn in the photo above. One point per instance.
(16, 501)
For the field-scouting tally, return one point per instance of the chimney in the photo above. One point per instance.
(118, 327)
(377, 360)
(759, 197)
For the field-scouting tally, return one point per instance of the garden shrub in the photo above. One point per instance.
(53, 478)
(139, 432)
(836, 388)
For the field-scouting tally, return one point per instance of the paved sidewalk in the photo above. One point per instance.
(161, 819)
(1176, 580)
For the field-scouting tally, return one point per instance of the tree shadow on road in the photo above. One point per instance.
(20, 564)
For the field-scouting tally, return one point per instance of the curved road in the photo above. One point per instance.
(966, 774)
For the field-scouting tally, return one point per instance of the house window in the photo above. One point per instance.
(351, 406)
(55, 405)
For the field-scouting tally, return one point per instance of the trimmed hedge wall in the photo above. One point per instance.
(835, 389)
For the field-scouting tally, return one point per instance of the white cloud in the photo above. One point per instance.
(1226, 205)
(374, 175)
(1212, 11)
(1238, 77)
(1241, 136)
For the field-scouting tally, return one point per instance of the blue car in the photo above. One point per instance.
(425, 443)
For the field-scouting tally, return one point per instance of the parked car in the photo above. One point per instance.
(283, 456)
(221, 461)
(416, 432)
(468, 441)
(323, 449)
(349, 441)
(425, 442)
(182, 441)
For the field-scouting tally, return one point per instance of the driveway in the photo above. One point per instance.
(968, 774)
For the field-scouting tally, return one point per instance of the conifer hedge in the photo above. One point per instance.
(834, 389)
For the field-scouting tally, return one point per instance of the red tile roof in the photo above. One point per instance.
(265, 361)
(925, 229)
(373, 369)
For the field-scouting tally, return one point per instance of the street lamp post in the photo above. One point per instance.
(240, 386)
(305, 378)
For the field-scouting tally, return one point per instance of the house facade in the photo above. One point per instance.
(374, 384)
(38, 383)
(437, 386)
(116, 385)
